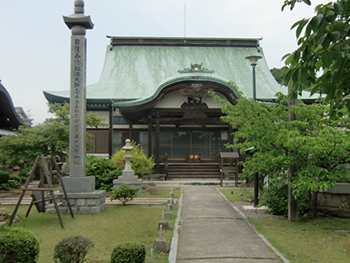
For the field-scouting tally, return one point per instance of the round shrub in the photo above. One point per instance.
(140, 163)
(72, 249)
(4, 176)
(104, 170)
(275, 197)
(124, 193)
(15, 181)
(23, 174)
(18, 246)
(129, 252)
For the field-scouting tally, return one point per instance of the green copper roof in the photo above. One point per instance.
(137, 69)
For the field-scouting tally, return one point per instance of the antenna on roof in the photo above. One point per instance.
(184, 20)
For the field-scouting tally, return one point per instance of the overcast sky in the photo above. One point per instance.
(35, 42)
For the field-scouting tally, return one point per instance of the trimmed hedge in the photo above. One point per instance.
(18, 245)
(129, 252)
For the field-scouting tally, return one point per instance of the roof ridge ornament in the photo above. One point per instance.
(195, 67)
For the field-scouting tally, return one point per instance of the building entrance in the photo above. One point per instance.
(178, 144)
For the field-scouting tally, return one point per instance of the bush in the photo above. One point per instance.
(16, 181)
(139, 162)
(18, 246)
(275, 197)
(72, 249)
(129, 252)
(5, 186)
(104, 170)
(4, 176)
(23, 174)
(124, 193)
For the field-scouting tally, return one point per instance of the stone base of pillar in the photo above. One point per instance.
(170, 207)
(132, 181)
(79, 184)
(169, 215)
(164, 224)
(160, 245)
(84, 203)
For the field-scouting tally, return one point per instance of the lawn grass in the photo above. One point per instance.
(151, 193)
(304, 241)
(115, 224)
(308, 241)
(238, 194)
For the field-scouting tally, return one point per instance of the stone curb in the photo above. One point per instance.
(136, 201)
(175, 239)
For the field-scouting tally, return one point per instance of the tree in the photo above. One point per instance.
(124, 193)
(48, 138)
(322, 60)
(278, 74)
(140, 163)
(317, 145)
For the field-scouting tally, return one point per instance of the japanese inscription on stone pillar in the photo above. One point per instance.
(78, 23)
(77, 107)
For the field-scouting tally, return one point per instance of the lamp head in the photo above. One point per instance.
(253, 59)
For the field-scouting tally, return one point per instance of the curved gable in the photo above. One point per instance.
(9, 119)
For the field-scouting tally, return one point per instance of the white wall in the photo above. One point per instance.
(175, 100)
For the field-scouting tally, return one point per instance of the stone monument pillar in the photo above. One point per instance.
(80, 188)
(128, 175)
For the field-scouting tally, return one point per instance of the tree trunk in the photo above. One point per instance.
(312, 202)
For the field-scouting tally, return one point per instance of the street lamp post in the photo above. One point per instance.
(253, 62)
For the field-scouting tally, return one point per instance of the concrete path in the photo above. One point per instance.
(212, 231)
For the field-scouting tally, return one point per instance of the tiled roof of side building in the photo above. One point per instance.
(137, 69)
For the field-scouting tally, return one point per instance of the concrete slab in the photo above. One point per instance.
(205, 202)
(222, 238)
(212, 231)
(230, 260)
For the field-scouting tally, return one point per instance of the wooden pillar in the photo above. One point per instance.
(130, 130)
(157, 143)
(110, 137)
(293, 212)
(150, 144)
(230, 137)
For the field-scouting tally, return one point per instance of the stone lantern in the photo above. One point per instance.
(127, 148)
(128, 175)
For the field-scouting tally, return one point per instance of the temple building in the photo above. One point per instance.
(155, 92)
(9, 117)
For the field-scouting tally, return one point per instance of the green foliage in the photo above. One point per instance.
(72, 249)
(278, 74)
(124, 193)
(139, 162)
(318, 145)
(5, 186)
(49, 138)
(291, 3)
(129, 252)
(104, 170)
(15, 181)
(4, 176)
(18, 245)
(322, 60)
(275, 197)
(23, 174)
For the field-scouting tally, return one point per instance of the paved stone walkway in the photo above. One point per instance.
(212, 231)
